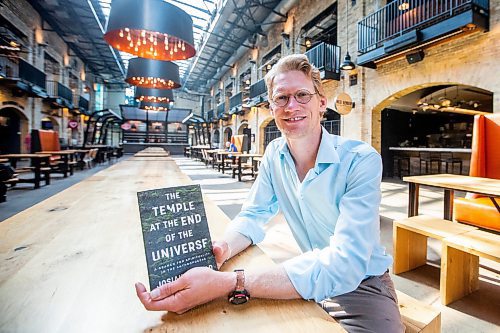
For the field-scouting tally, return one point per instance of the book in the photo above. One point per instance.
(175, 232)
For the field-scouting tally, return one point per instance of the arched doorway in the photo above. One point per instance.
(13, 128)
(241, 129)
(228, 133)
(216, 138)
(271, 132)
(423, 128)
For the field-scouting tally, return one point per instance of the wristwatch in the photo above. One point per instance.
(240, 295)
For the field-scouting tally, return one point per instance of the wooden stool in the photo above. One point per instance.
(447, 159)
(401, 162)
(428, 159)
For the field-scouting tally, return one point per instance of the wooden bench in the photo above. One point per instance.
(462, 245)
(460, 262)
(418, 317)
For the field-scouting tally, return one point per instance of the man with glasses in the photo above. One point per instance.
(328, 189)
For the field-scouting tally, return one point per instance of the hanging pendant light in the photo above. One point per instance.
(154, 95)
(148, 106)
(347, 64)
(148, 73)
(152, 29)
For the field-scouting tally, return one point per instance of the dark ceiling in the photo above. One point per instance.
(81, 24)
(235, 25)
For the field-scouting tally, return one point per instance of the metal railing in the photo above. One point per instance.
(83, 103)
(57, 89)
(31, 74)
(221, 109)
(235, 100)
(258, 88)
(18, 68)
(332, 126)
(401, 16)
(326, 57)
(8, 67)
(271, 132)
(210, 115)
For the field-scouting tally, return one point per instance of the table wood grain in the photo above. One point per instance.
(69, 264)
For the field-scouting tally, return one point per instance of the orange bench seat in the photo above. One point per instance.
(480, 212)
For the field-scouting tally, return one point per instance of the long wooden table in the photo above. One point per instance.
(38, 161)
(486, 186)
(69, 264)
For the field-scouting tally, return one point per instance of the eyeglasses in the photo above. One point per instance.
(302, 96)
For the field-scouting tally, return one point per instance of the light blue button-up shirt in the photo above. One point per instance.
(333, 214)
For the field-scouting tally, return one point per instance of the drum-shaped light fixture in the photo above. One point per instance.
(148, 106)
(148, 73)
(154, 95)
(152, 29)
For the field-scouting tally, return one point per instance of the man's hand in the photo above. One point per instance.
(197, 286)
(221, 251)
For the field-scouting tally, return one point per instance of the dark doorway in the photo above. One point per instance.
(10, 131)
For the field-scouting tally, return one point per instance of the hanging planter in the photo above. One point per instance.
(152, 29)
(156, 74)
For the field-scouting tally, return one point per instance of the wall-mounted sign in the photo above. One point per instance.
(126, 126)
(343, 103)
(72, 124)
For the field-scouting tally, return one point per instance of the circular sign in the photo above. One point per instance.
(72, 124)
(343, 103)
(126, 126)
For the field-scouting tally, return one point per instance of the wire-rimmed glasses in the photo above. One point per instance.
(302, 96)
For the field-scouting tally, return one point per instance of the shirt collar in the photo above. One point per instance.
(327, 152)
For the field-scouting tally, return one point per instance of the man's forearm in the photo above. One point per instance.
(273, 283)
(236, 243)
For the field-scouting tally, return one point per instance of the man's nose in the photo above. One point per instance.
(292, 104)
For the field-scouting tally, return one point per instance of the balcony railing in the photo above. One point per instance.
(235, 100)
(9, 68)
(20, 69)
(58, 90)
(210, 116)
(326, 58)
(83, 103)
(221, 110)
(401, 16)
(258, 88)
(31, 74)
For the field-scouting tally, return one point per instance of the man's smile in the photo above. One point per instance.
(294, 119)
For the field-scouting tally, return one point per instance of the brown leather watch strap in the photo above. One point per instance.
(240, 279)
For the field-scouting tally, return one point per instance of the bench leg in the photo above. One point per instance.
(410, 250)
(459, 274)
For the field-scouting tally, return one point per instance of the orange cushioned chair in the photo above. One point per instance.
(485, 162)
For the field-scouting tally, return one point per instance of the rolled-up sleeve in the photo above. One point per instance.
(260, 207)
(340, 267)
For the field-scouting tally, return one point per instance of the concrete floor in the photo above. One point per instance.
(478, 312)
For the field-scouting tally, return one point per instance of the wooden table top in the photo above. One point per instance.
(486, 186)
(433, 150)
(69, 263)
(58, 152)
(225, 152)
(37, 155)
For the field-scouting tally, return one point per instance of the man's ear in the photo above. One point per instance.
(322, 104)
